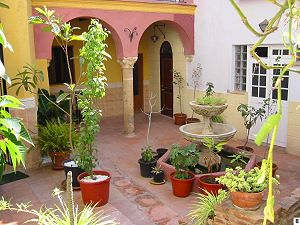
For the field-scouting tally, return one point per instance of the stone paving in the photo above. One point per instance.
(133, 200)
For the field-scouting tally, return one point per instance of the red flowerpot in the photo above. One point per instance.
(247, 201)
(182, 188)
(210, 187)
(96, 193)
(180, 118)
(58, 158)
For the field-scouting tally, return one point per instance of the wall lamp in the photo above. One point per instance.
(159, 27)
(263, 25)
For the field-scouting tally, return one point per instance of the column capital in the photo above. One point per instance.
(128, 62)
(189, 58)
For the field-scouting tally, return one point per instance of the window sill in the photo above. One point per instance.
(237, 92)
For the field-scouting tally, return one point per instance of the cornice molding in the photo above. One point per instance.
(159, 7)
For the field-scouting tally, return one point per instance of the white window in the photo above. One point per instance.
(240, 67)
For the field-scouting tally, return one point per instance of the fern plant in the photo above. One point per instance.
(54, 137)
(203, 208)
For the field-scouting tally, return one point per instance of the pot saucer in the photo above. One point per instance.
(157, 183)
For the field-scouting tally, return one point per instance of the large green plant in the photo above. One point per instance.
(183, 158)
(53, 137)
(92, 55)
(65, 214)
(13, 134)
(288, 16)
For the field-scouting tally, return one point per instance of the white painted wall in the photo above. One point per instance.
(217, 28)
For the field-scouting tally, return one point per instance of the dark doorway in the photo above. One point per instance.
(138, 84)
(166, 79)
(58, 70)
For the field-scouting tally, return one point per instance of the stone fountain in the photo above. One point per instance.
(195, 132)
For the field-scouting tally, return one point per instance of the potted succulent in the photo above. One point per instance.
(211, 159)
(250, 116)
(158, 175)
(182, 158)
(180, 118)
(196, 83)
(246, 188)
(147, 162)
(53, 140)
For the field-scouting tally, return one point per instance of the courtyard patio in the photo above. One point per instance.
(133, 200)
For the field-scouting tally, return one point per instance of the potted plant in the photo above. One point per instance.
(53, 141)
(250, 116)
(180, 118)
(149, 157)
(66, 213)
(211, 158)
(158, 175)
(196, 83)
(246, 188)
(147, 162)
(203, 208)
(94, 184)
(182, 158)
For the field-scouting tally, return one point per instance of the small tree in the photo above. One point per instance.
(196, 81)
(250, 115)
(178, 81)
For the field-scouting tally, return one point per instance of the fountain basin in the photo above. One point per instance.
(195, 132)
(208, 110)
(168, 169)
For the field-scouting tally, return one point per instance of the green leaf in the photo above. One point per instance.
(2, 5)
(3, 73)
(62, 96)
(4, 42)
(269, 209)
(24, 135)
(12, 124)
(266, 128)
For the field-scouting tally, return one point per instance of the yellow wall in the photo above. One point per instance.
(293, 139)
(20, 34)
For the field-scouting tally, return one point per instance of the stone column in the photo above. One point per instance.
(128, 104)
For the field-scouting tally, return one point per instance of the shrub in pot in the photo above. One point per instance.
(158, 175)
(180, 118)
(182, 158)
(53, 140)
(246, 188)
(147, 162)
(211, 158)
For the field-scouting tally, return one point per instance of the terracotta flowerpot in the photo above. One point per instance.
(146, 168)
(274, 168)
(96, 193)
(210, 187)
(247, 201)
(182, 188)
(246, 148)
(58, 158)
(192, 120)
(180, 118)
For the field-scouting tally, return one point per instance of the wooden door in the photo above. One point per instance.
(138, 84)
(166, 79)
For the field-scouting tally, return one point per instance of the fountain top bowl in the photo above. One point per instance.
(208, 110)
(221, 132)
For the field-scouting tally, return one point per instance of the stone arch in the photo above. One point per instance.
(44, 40)
(185, 32)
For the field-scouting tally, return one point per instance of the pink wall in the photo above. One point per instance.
(116, 22)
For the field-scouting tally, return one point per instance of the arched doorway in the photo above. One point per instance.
(166, 79)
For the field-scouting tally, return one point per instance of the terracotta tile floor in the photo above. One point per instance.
(133, 201)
